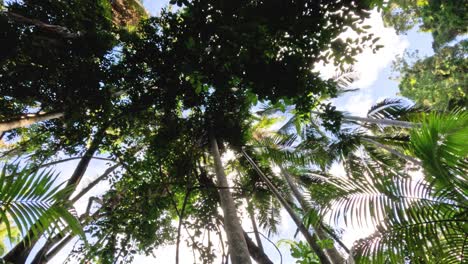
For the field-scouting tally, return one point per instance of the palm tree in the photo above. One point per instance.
(422, 220)
(379, 191)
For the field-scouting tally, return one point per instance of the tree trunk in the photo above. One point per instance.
(87, 157)
(332, 253)
(20, 252)
(27, 120)
(181, 218)
(257, 253)
(311, 239)
(237, 244)
(254, 226)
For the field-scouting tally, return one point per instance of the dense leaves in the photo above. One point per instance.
(446, 19)
(158, 97)
(438, 81)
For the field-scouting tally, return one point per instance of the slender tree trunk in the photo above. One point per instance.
(254, 226)
(42, 255)
(237, 244)
(311, 239)
(393, 151)
(332, 253)
(20, 252)
(87, 157)
(256, 252)
(181, 217)
(27, 120)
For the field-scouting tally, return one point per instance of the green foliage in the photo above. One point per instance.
(59, 73)
(446, 19)
(15, 237)
(30, 200)
(439, 81)
(178, 78)
(301, 251)
(441, 144)
(425, 220)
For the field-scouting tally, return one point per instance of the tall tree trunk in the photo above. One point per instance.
(237, 244)
(393, 151)
(311, 239)
(28, 119)
(332, 253)
(20, 252)
(87, 157)
(181, 218)
(251, 213)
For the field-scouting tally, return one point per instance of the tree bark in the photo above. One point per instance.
(256, 253)
(44, 255)
(311, 239)
(87, 157)
(332, 253)
(27, 120)
(237, 244)
(254, 226)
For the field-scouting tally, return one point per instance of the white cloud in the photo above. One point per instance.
(357, 104)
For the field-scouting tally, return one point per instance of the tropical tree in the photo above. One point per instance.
(189, 76)
(422, 220)
(207, 65)
(417, 219)
(445, 19)
(438, 81)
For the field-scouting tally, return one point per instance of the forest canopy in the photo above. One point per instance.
(212, 114)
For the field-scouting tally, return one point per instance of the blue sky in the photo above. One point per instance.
(374, 71)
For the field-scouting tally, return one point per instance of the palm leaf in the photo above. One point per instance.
(31, 201)
(442, 145)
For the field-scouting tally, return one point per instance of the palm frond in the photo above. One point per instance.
(31, 201)
(430, 235)
(442, 145)
(414, 221)
(390, 108)
(344, 79)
